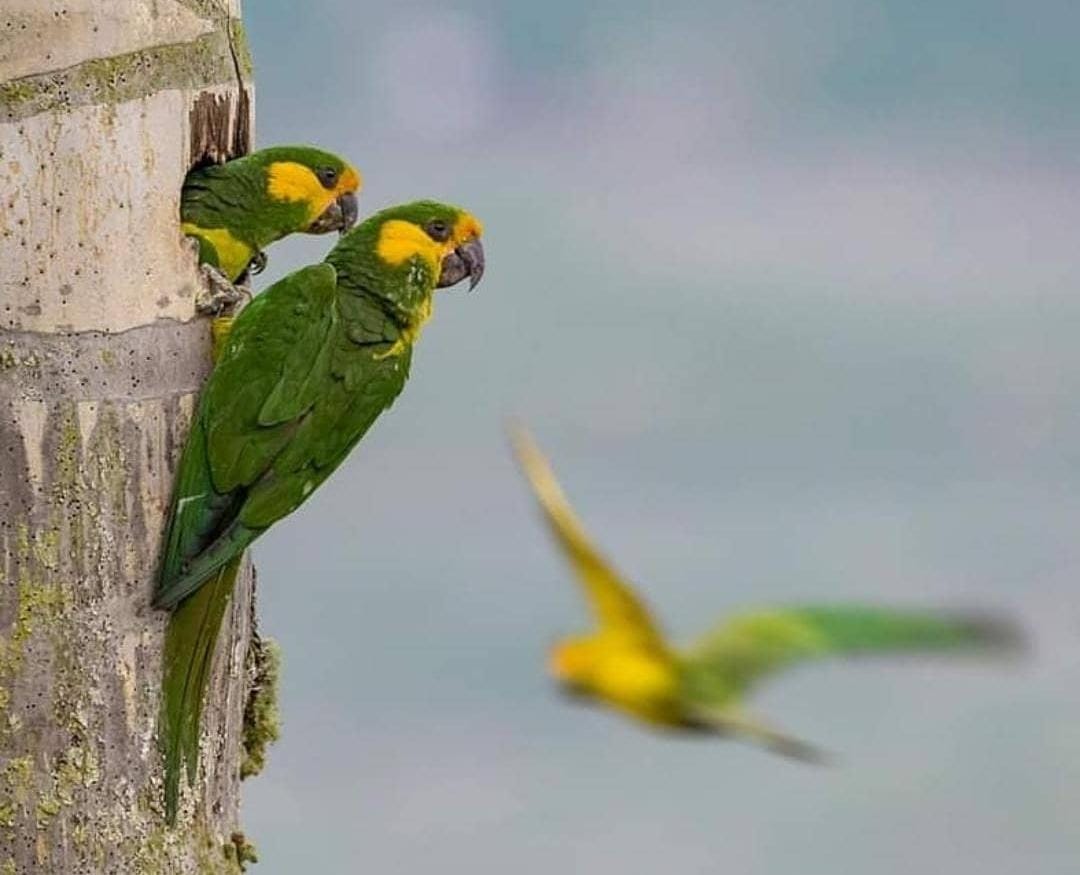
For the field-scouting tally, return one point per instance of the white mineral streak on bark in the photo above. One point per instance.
(86, 413)
(30, 419)
(101, 359)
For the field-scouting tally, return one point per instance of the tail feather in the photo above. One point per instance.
(747, 647)
(204, 567)
(738, 724)
(189, 651)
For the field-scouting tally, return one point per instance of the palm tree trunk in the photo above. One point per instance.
(104, 105)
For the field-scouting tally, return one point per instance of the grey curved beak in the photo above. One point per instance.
(465, 261)
(350, 210)
(341, 215)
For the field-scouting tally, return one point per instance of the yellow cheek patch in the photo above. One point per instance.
(293, 182)
(233, 255)
(400, 240)
(410, 333)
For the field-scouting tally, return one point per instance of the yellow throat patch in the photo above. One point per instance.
(400, 240)
(233, 255)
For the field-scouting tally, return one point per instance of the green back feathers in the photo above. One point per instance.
(309, 366)
(748, 647)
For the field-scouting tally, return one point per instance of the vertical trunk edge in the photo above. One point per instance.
(101, 360)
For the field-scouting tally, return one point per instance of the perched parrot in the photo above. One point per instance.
(628, 663)
(235, 210)
(308, 367)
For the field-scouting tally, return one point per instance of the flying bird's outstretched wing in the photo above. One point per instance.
(618, 609)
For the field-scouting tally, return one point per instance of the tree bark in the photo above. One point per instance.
(104, 106)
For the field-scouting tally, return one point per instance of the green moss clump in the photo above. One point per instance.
(16, 788)
(204, 61)
(262, 720)
(240, 851)
(16, 92)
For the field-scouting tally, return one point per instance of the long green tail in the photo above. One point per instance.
(748, 646)
(189, 652)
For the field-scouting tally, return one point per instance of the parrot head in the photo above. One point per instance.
(416, 247)
(239, 208)
(319, 187)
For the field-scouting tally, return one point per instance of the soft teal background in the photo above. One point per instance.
(787, 291)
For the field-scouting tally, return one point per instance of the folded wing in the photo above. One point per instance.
(266, 384)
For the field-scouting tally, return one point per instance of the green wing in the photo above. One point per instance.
(228, 449)
(288, 400)
(618, 609)
(727, 660)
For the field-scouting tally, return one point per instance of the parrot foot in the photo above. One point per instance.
(258, 263)
(220, 295)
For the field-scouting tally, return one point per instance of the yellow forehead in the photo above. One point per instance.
(349, 181)
(466, 228)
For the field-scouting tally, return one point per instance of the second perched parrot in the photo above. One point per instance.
(235, 210)
(307, 369)
(627, 662)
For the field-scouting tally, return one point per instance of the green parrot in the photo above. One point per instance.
(235, 210)
(308, 367)
(629, 665)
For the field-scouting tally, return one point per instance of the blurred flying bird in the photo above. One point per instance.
(628, 664)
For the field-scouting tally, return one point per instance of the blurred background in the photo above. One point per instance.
(788, 297)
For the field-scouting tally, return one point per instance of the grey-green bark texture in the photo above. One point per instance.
(104, 105)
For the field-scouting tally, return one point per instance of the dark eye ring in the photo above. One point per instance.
(328, 176)
(438, 230)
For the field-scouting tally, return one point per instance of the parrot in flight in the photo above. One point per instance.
(235, 210)
(628, 664)
(307, 368)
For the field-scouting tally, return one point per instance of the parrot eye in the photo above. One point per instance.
(328, 176)
(438, 230)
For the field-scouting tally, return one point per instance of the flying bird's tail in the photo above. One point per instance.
(736, 723)
(189, 651)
